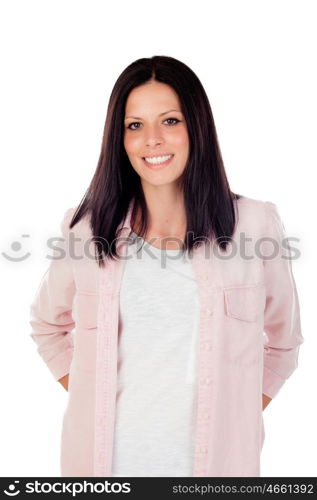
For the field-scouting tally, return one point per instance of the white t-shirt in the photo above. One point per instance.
(157, 349)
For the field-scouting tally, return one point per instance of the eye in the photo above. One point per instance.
(175, 120)
(134, 123)
(138, 123)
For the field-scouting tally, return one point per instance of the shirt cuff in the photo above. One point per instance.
(60, 365)
(272, 382)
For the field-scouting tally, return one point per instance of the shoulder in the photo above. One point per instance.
(256, 213)
(81, 227)
(247, 203)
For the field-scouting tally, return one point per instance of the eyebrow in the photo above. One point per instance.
(165, 112)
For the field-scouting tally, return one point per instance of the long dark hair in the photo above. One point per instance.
(209, 202)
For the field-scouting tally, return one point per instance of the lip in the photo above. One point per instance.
(156, 154)
(160, 166)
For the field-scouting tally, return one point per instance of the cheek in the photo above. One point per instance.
(180, 140)
(131, 144)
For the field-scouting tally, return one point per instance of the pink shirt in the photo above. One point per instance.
(249, 338)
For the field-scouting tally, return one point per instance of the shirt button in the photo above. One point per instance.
(208, 346)
(206, 416)
(200, 471)
(207, 381)
(209, 312)
(202, 449)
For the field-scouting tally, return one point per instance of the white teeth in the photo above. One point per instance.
(155, 160)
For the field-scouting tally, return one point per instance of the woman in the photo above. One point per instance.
(162, 351)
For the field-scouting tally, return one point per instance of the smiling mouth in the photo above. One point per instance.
(157, 161)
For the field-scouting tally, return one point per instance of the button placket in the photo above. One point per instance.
(205, 375)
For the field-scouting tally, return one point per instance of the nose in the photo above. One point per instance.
(153, 137)
(153, 142)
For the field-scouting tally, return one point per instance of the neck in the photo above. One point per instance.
(167, 216)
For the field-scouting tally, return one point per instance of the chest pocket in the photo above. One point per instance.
(245, 303)
(243, 333)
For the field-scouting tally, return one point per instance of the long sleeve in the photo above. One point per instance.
(51, 309)
(282, 323)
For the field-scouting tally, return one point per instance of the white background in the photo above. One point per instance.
(59, 61)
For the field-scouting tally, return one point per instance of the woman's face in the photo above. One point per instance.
(154, 126)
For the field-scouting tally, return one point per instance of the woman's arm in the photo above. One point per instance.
(64, 381)
(51, 309)
(265, 401)
(282, 323)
